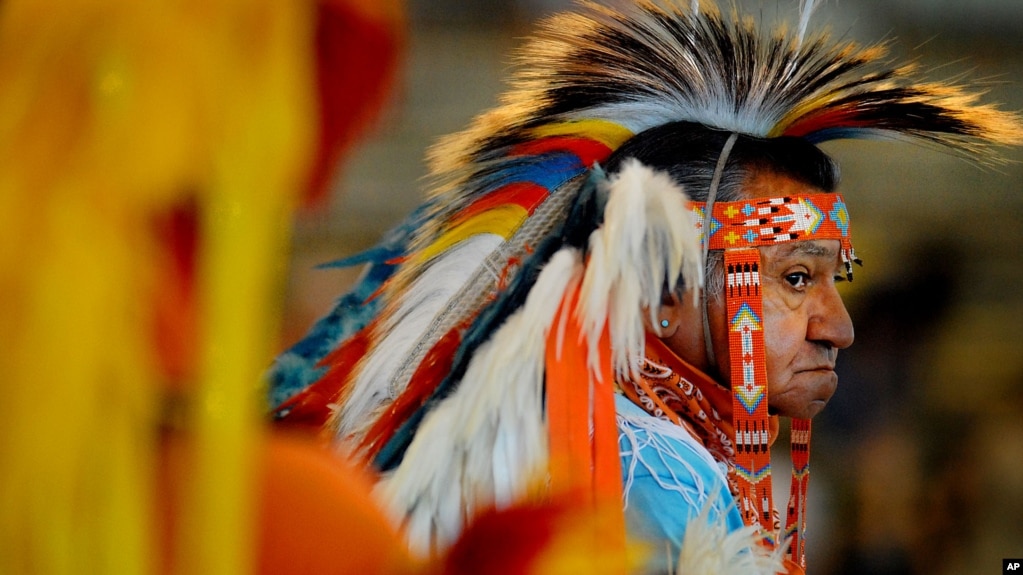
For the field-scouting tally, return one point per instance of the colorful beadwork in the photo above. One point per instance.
(769, 221)
(749, 389)
(739, 228)
(795, 522)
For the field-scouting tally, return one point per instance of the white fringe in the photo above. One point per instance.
(373, 386)
(664, 440)
(708, 548)
(484, 444)
(646, 240)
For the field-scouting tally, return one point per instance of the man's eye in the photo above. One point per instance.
(798, 280)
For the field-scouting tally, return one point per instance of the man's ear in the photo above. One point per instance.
(669, 316)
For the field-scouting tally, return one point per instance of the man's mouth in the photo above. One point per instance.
(818, 368)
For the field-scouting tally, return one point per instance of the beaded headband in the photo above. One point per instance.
(769, 221)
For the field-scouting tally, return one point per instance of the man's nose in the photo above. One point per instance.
(830, 323)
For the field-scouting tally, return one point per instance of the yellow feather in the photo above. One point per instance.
(608, 133)
(502, 220)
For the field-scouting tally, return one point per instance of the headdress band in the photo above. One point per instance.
(712, 193)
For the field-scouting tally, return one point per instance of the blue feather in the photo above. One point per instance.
(549, 170)
(297, 368)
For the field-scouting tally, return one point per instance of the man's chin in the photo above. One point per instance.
(807, 410)
(813, 408)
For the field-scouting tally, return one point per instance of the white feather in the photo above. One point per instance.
(424, 300)
(453, 287)
(485, 443)
(806, 8)
(709, 548)
(646, 240)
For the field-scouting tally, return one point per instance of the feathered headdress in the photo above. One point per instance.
(442, 375)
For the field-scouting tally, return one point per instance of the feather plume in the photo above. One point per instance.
(432, 370)
(647, 64)
(646, 245)
(709, 548)
(477, 275)
(308, 361)
(593, 78)
(372, 388)
(601, 74)
(482, 446)
(806, 8)
(574, 229)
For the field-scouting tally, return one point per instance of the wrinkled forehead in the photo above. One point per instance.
(824, 249)
(821, 254)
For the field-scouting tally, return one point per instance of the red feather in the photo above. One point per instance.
(358, 47)
(505, 543)
(556, 536)
(176, 321)
(589, 151)
(525, 194)
(311, 406)
(431, 371)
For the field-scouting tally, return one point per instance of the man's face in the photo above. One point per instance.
(805, 324)
(805, 321)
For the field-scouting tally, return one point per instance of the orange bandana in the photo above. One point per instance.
(671, 389)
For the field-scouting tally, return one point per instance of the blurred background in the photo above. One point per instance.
(918, 461)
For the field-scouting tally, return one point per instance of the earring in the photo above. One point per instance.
(668, 327)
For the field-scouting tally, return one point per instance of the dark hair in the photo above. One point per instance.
(689, 152)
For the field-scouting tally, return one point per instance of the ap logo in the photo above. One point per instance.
(1012, 566)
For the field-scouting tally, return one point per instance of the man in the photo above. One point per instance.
(542, 319)
(805, 324)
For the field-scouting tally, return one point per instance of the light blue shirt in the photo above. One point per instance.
(669, 478)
